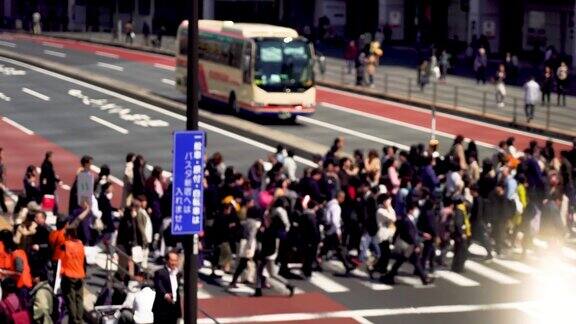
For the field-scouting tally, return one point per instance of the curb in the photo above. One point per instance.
(456, 111)
(301, 147)
(444, 108)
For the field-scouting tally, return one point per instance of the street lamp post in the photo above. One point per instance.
(191, 244)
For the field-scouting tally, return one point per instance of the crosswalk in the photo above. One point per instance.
(497, 271)
(509, 271)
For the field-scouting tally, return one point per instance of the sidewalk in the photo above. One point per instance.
(460, 95)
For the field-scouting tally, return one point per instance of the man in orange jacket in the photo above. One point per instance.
(73, 274)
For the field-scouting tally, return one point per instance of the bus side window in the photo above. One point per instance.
(247, 62)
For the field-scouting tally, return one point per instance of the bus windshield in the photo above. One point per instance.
(283, 65)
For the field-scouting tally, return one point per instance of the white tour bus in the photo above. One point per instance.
(254, 68)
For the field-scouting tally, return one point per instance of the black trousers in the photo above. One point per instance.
(385, 254)
(309, 252)
(529, 111)
(3, 206)
(332, 243)
(242, 265)
(460, 255)
(414, 259)
(428, 254)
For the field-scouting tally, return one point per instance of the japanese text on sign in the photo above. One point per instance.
(187, 190)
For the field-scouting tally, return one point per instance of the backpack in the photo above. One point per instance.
(13, 310)
(58, 305)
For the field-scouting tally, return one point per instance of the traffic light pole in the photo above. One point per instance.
(190, 307)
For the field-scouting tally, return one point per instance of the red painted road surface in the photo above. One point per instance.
(22, 150)
(448, 124)
(247, 306)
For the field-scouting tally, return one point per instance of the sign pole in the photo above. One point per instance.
(191, 243)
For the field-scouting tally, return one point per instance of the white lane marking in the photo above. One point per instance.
(54, 53)
(156, 109)
(413, 281)
(203, 294)
(54, 45)
(164, 67)
(110, 66)
(36, 94)
(109, 125)
(374, 312)
(361, 320)
(5, 97)
(328, 285)
(106, 54)
(569, 252)
(456, 278)
(362, 277)
(112, 178)
(7, 44)
(225, 280)
(515, 266)
(250, 142)
(169, 82)
(352, 132)
(449, 116)
(396, 122)
(489, 273)
(20, 127)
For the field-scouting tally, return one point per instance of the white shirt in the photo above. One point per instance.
(290, 166)
(174, 283)
(143, 302)
(334, 217)
(386, 218)
(531, 92)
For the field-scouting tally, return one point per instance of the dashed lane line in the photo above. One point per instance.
(36, 94)
(106, 54)
(7, 44)
(54, 53)
(110, 66)
(164, 67)
(169, 82)
(159, 110)
(110, 125)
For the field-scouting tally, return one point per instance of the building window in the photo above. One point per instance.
(144, 7)
(126, 6)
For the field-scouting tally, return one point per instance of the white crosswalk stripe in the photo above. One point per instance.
(456, 278)
(515, 266)
(225, 280)
(412, 281)
(362, 277)
(490, 273)
(327, 284)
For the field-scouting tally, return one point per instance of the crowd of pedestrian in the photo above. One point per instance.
(366, 211)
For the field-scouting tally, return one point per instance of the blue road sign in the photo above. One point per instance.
(187, 188)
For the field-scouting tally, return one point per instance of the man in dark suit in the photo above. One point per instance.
(408, 246)
(166, 307)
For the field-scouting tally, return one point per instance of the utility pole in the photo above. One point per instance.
(191, 243)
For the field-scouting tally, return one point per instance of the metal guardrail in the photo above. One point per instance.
(479, 100)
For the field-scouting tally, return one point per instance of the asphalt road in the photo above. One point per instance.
(360, 132)
(88, 120)
(539, 289)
